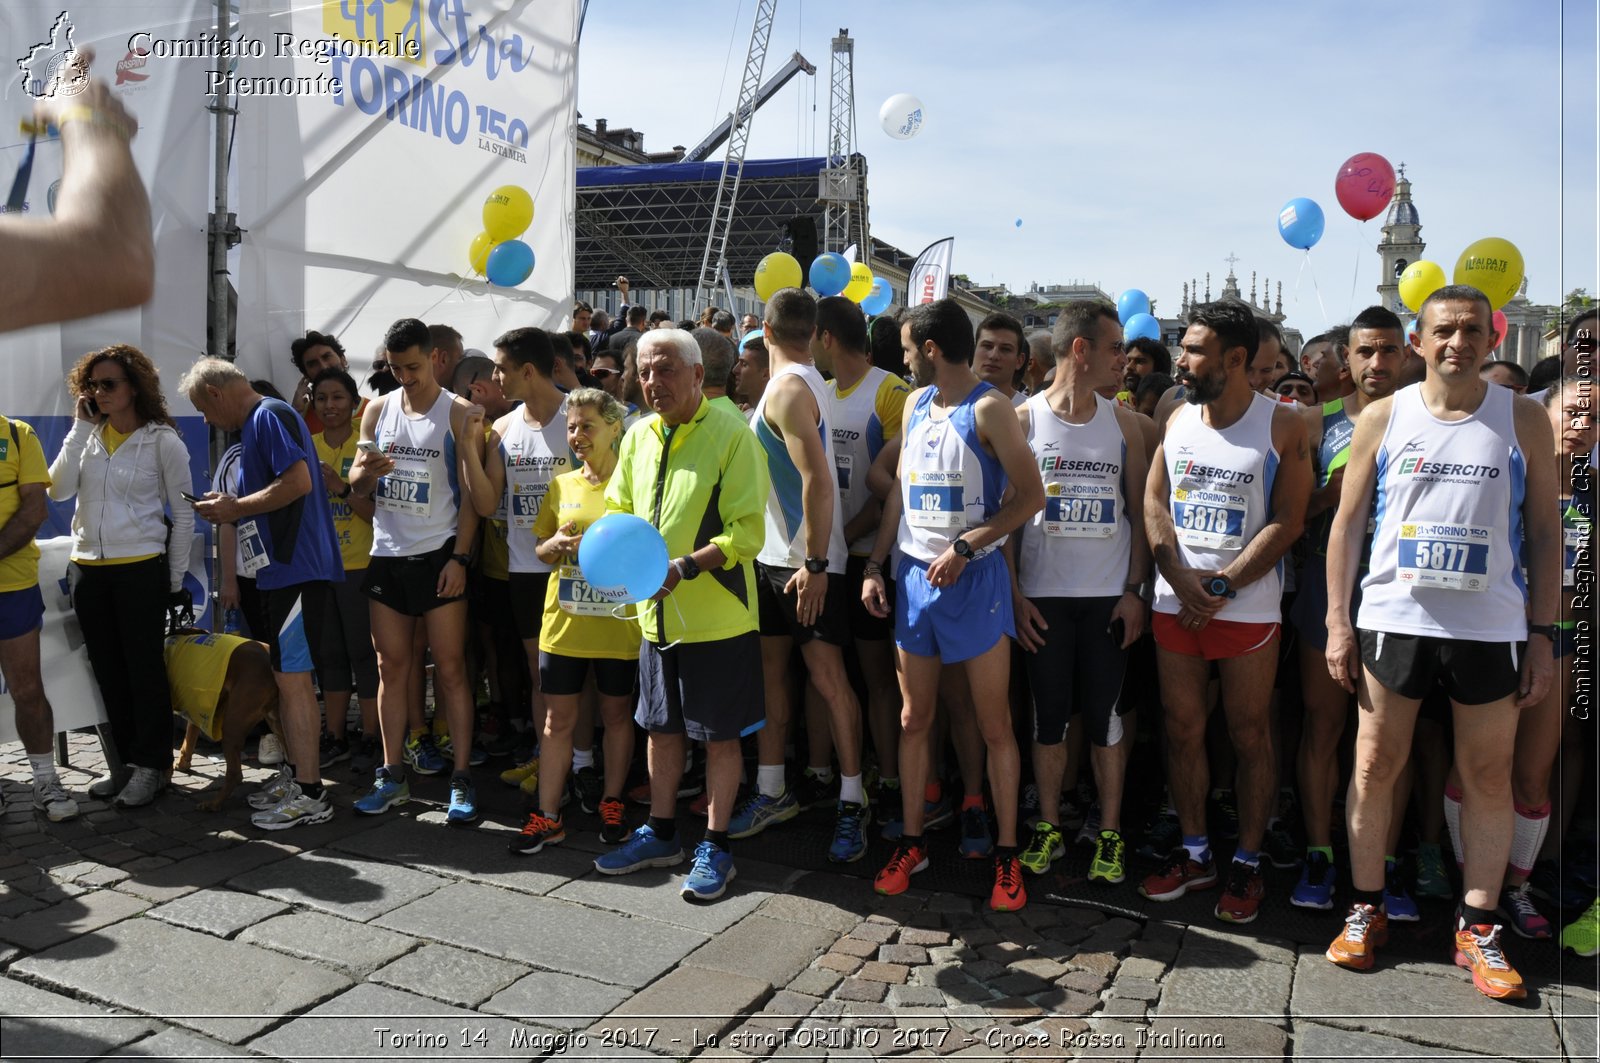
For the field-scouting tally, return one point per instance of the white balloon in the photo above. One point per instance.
(901, 116)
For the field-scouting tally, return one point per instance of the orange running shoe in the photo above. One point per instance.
(1178, 876)
(1365, 930)
(613, 831)
(1478, 950)
(1008, 895)
(537, 833)
(896, 874)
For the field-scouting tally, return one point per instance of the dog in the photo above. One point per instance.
(227, 710)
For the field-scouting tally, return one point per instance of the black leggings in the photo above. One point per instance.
(122, 610)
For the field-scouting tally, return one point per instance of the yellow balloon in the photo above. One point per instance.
(1493, 266)
(776, 272)
(860, 285)
(478, 253)
(507, 213)
(1420, 280)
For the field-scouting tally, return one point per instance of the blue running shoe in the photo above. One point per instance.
(936, 814)
(422, 754)
(890, 811)
(463, 802)
(713, 870)
(1315, 889)
(386, 792)
(1397, 902)
(850, 833)
(1161, 835)
(760, 812)
(644, 849)
(976, 841)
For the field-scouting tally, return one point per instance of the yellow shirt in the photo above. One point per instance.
(576, 623)
(21, 462)
(112, 439)
(353, 530)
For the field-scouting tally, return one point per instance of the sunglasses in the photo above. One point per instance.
(604, 374)
(109, 384)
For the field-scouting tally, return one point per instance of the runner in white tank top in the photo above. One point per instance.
(418, 500)
(1461, 474)
(531, 456)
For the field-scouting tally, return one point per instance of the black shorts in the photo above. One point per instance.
(560, 674)
(527, 603)
(409, 585)
(864, 627)
(777, 608)
(295, 616)
(1472, 673)
(1079, 670)
(709, 691)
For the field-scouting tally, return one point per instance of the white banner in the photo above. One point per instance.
(929, 280)
(68, 681)
(362, 187)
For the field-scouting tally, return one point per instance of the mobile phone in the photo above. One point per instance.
(187, 497)
(370, 446)
(1118, 630)
(94, 408)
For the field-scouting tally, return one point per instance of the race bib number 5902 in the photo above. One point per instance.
(406, 491)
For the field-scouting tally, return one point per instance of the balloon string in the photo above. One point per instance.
(1357, 274)
(1315, 287)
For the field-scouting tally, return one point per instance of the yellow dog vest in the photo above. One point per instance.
(197, 666)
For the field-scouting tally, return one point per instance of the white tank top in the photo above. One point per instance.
(418, 502)
(1448, 524)
(948, 482)
(1079, 545)
(1219, 490)
(857, 441)
(785, 545)
(533, 457)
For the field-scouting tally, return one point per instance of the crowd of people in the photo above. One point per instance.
(920, 574)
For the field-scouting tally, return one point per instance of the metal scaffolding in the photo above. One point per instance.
(842, 187)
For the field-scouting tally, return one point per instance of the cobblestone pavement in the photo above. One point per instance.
(168, 933)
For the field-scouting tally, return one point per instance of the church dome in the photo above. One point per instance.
(1402, 212)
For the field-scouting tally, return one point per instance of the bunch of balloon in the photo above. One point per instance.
(496, 253)
(860, 285)
(830, 273)
(878, 299)
(1364, 186)
(1493, 266)
(1141, 327)
(1418, 281)
(776, 272)
(1131, 303)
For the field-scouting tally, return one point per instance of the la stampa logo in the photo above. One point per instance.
(54, 67)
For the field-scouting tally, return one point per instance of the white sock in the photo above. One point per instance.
(582, 758)
(822, 775)
(44, 767)
(769, 779)
(1527, 836)
(1452, 820)
(850, 789)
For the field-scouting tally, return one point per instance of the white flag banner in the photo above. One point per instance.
(361, 191)
(850, 253)
(930, 277)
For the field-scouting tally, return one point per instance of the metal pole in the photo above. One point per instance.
(220, 230)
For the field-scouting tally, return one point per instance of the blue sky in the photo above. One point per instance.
(1142, 142)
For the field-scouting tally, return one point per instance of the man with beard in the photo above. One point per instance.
(1224, 502)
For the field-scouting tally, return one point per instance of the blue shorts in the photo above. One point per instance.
(20, 612)
(953, 623)
(1309, 613)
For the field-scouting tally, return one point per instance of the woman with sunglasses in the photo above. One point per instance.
(131, 531)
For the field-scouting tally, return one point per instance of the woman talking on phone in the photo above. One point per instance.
(131, 530)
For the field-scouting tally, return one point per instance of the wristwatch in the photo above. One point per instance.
(1547, 630)
(962, 548)
(345, 493)
(464, 560)
(687, 567)
(1219, 587)
(816, 565)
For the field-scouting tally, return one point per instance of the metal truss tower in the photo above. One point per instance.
(842, 185)
(714, 263)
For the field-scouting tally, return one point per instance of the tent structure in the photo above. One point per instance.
(650, 222)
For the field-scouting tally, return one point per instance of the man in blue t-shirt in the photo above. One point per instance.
(287, 544)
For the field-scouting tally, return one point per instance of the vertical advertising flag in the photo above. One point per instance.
(930, 277)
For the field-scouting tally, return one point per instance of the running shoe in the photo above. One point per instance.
(1226, 817)
(1433, 884)
(1178, 876)
(1241, 897)
(643, 849)
(588, 787)
(1028, 804)
(1478, 950)
(1315, 888)
(1161, 835)
(890, 810)
(1397, 903)
(296, 810)
(1008, 895)
(850, 833)
(613, 831)
(463, 802)
(896, 874)
(976, 841)
(811, 792)
(1279, 846)
(1366, 929)
(712, 871)
(365, 755)
(386, 792)
(1516, 906)
(1109, 853)
(760, 812)
(538, 832)
(938, 812)
(701, 806)
(143, 786)
(273, 794)
(422, 754)
(269, 750)
(1045, 846)
(528, 769)
(688, 786)
(332, 750)
(1073, 810)
(1089, 833)
(51, 798)
(1582, 935)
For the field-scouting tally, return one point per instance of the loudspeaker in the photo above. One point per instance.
(803, 237)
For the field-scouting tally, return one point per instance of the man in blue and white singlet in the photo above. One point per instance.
(421, 546)
(966, 480)
(800, 577)
(1462, 475)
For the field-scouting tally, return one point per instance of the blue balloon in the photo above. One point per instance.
(1019, 223)
(830, 273)
(1130, 303)
(1141, 327)
(510, 262)
(623, 558)
(1300, 223)
(877, 300)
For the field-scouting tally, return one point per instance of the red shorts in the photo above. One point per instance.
(1218, 640)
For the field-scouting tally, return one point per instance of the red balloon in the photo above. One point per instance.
(1365, 185)
(1500, 328)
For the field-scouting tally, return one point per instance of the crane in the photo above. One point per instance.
(797, 64)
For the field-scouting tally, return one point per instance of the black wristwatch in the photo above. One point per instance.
(464, 560)
(962, 548)
(687, 567)
(1547, 630)
(345, 493)
(816, 565)
(1219, 587)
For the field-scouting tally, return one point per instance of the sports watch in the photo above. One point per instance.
(1219, 587)
(1547, 630)
(816, 565)
(962, 548)
(687, 567)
